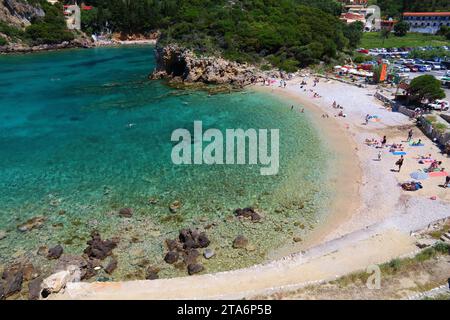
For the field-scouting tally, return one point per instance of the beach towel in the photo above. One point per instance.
(437, 174)
(399, 153)
(417, 145)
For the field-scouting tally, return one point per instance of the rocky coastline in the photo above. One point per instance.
(24, 48)
(180, 65)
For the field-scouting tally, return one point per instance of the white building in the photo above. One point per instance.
(426, 22)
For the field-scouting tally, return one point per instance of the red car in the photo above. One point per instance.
(412, 67)
(365, 51)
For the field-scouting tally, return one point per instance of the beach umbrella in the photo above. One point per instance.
(419, 175)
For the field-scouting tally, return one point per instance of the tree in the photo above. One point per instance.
(385, 33)
(354, 33)
(401, 29)
(425, 87)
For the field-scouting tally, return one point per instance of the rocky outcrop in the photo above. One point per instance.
(181, 64)
(81, 42)
(19, 13)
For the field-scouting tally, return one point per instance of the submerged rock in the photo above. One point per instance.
(3, 234)
(248, 213)
(195, 268)
(111, 266)
(192, 239)
(175, 206)
(34, 289)
(152, 273)
(240, 242)
(126, 212)
(31, 224)
(98, 248)
(13, 283)
(171, 257)
(191, 256)
(55, 252)
(209, 253)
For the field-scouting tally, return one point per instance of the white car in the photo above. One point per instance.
(440, 105)
(427, 67)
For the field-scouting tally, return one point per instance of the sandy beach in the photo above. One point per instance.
(370, 222)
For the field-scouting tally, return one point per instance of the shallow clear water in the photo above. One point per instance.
(68, 153)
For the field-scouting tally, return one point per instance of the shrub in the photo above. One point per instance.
(3, 41)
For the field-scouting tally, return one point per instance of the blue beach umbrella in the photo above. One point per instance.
(419, 175)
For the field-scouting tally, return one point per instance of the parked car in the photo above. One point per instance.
(434, 65)
(412, 67)
(439, 105)
(420, 68)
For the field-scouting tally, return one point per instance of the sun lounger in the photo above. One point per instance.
(399, 153)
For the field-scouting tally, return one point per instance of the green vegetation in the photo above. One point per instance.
(429, 54)
(425, 87)
(444, 31)
(52, 28)
(10, 31)
(401, 29)
(285, 33)
(372, 40)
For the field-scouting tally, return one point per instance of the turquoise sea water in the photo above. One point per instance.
(68, 153)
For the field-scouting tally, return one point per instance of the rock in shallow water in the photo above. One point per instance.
(209, 253)
(3, 234)
(31, 224)
(55, 252)
(171, 257)
(112, 265)
(240, 242)
(98, 248)
(34, 289)
(195, 268)
(126, 212)
(249, 213)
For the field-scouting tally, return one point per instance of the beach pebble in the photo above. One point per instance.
(240, 242)
(209, 253)
(55, 252)
(126, 212)
(297, 239)
(171, 257)
(195, 268)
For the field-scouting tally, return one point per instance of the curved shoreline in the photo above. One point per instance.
(376, 232)
(345, 187)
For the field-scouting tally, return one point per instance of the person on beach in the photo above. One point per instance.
(399, 163)
(410, 135)
(383, 142)
(447, 181)
(367, 119)
(379, 155)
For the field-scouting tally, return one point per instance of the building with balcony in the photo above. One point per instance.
(426, 22)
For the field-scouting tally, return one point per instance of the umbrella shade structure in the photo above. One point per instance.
(419, 175)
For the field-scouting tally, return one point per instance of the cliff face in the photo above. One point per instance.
(176, 63)
(19, 13)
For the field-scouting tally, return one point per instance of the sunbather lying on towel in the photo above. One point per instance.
(412, 186)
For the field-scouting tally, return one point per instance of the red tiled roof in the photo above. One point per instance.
(426, 14)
